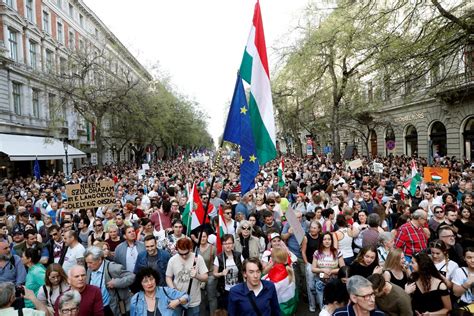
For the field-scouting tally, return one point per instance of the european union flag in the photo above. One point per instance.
(238, 130)
(36, 169)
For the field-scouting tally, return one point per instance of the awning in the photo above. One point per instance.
(23, 148)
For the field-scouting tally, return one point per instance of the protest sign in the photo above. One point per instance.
(89, 195)
(436, 175)
(378, 167)
(354, 164)
(145, 166)
(295, 225)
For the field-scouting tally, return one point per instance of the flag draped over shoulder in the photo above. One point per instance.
(36, 169)
(414, 180)
(238, 130)
(254, 70)
(285, 288)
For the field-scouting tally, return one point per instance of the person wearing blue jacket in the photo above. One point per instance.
(154, 258)
(254, 296)
(154, 299)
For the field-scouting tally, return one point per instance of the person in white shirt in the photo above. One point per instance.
(75, 251)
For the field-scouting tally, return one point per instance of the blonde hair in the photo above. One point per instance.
(280, 255)
(393, 260)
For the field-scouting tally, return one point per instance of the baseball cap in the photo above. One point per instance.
(274, 235)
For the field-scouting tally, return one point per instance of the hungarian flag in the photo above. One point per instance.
(414, 180)
(220, 231)
(194, 211)
(281, 173)
(286, 289)
(254, 71)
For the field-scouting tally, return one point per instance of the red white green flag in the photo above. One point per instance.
(414, 180)
(254, 71)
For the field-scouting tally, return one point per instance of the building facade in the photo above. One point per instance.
(36, 37)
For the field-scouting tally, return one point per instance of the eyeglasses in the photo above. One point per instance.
(69, 311)
(366, 297)
(183, 254)
(245, 228)
(439, 212)
(271, 204)
(98, 225)
(228, 213)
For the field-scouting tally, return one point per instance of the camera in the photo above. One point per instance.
(19, 291)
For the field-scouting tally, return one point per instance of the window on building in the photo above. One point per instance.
(60, 33)
(49, 60)
(59, 3)
(30, 16)
(9, 3)
(81, 20)
(46, 22)
(35, 102)
(81, 44)
(16, 92)
(33, 54)
(52, 105)
(71, 40)
(62, 65)
(71, 10)
(13, 40)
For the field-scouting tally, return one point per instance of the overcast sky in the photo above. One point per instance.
(198, 44)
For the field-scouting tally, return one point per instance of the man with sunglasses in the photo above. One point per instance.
(56, 246)
(362, 299)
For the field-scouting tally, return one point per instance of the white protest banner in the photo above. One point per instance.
(89, 195)
(145, 166)
(140, 174)
(295, 225)
(378, 167)
(354, 164)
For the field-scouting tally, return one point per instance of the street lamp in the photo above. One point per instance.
(65, 144)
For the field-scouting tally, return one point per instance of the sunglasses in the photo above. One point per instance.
(228, 213)
(183, 254)
(271, 204)
(245, 228)
(439, 212)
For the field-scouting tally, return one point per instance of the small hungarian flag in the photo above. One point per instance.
(414, 180)
(194, 211)
(220, 230)
(281, 173)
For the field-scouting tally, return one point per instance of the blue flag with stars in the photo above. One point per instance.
(238, 130)
(36, 169)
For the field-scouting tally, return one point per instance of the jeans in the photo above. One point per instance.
(310, 286)
(210, 293)
(319, 286)
(191, 311)
(348, 261)
(300, 275)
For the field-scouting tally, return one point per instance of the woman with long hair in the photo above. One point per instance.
(431, 295)
(55, 285)
(359, 226)
(283, 277)
(98, 233)
(366, 263)
(208, 253)
(395, 269)
(153, 299)
(309, 245)
(326, 263)
(446, 267)
(328, 215)
(344, 235)
(465, 225)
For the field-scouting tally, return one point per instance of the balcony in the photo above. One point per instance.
(456, 87)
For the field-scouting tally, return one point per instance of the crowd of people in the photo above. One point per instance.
(364, 244)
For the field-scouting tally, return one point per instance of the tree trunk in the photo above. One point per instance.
(335, 137)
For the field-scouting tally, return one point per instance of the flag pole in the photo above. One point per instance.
(196, 249)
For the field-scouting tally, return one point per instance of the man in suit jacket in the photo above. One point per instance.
(127, 251)
(112, 280)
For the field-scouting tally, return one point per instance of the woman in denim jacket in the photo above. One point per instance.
(155, 300)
